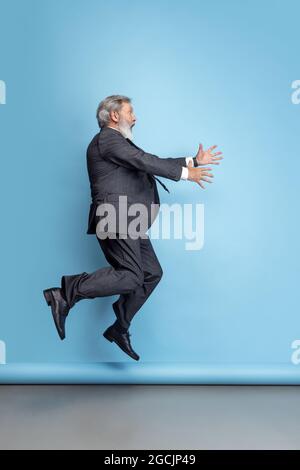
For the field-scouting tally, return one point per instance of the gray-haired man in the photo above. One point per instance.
(117, 169)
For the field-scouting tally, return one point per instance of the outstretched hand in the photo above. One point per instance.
(206, 157)
(198, 175)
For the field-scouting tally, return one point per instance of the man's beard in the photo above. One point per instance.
(125, 129)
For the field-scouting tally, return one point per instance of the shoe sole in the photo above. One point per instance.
(48, 297)
(112, 339)
(107, 336)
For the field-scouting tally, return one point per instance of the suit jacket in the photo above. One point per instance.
(117, 167)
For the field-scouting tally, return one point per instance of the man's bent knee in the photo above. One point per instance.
(156, 276)
(134, 280)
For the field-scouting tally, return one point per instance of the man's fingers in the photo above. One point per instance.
(200, 184)
(206, 175)
(206, 179)
(217, 153)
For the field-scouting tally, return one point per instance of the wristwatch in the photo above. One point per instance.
(195, 161)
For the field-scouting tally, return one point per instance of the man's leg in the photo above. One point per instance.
(123, 276)
(129, 303)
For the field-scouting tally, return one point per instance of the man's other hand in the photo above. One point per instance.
(206, 157)
(197, 174)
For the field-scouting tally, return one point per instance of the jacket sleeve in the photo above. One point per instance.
(182, 161)
(118, 150)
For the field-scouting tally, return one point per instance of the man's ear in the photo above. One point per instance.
(114, 115)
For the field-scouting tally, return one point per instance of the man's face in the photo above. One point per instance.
(126, 114)
(126, 120)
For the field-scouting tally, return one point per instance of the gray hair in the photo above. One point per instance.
(110, 103)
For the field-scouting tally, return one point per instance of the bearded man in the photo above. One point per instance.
(118, 169)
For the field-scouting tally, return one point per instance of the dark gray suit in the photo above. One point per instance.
(116, 166)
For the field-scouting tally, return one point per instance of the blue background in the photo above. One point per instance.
(216, 72)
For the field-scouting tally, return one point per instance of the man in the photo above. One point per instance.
(118, 168)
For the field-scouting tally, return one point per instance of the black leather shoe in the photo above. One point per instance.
(122, 340)
(59, 307)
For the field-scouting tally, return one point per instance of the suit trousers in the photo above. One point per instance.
(133, 274)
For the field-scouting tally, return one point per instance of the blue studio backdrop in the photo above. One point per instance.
(217, 72)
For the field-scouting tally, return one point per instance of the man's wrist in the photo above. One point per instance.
(189, 160)
(184, 173)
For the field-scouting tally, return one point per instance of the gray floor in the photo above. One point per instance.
(149, 417)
